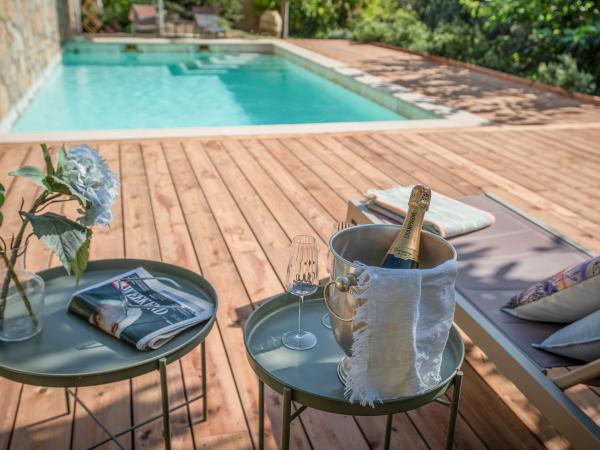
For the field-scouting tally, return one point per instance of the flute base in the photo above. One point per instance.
(299, 340)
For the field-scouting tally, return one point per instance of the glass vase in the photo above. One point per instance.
(21, 298)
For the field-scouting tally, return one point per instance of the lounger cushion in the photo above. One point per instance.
(580, 340)
(564, 297)
(500, 261)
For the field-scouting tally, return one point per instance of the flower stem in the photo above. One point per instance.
(22, 292)
(10, 264)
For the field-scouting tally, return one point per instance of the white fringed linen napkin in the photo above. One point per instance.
(407, 317)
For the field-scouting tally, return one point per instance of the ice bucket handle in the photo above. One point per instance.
(343, 283)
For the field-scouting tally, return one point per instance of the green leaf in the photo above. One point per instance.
(48, 160)
(79, 264)
(64, 237)
(30, 172)
(61, 157)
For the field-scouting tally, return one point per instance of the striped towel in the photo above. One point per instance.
(446, 216)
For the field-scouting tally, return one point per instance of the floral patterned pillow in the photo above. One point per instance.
(565, 297)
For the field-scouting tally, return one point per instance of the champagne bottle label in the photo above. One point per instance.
(406, 244)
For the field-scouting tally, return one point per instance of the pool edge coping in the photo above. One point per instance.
(362, 83)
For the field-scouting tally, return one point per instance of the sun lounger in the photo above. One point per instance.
(207, 22)
(143, 18)
(494, 264)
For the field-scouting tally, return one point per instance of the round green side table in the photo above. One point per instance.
(310, 377)
(71, 353)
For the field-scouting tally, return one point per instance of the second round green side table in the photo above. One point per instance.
(310, 377)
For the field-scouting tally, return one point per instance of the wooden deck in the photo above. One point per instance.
(494, 97)
(228, 208)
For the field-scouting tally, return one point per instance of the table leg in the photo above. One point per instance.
(454, 410)
(287, 410)
(204, 390)
(164, 392)
(388, 432)
(68, 401)
(261, 415)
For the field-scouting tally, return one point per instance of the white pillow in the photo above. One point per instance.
(564, 297)
(580, 340)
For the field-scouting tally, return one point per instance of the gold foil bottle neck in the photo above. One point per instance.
(420, 196)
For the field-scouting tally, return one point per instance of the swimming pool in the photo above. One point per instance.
(135, 88)
(123, 86)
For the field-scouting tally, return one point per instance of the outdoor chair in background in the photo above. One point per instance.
(207, 22)
(484, 284)
(143, 18)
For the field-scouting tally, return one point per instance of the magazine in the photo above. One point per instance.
(139, 309)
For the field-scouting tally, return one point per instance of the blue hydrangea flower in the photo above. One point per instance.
(89, 175)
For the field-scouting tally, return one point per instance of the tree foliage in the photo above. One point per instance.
(554, 41)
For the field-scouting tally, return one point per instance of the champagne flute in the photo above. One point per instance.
(337, 226)
(302, 279)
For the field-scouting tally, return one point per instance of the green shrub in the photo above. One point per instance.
(514, 36)
(381, 21)
(435, 12)
(266, 5)
(458, 40)
(565, 74)
(317, 18)
(524, 33)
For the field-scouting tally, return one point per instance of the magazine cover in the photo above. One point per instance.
(146, 313)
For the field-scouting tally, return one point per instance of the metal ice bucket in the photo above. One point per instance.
(368, 244)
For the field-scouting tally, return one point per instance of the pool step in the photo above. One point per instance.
(182, 69)
(201, 65)
(210, 67)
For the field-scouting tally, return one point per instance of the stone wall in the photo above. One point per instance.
(30, 40)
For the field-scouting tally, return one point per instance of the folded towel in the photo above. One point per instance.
(446, 216)
(407, 316)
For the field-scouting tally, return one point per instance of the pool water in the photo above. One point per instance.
(113, 86)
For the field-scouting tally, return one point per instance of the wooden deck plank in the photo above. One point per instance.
(528, 175)
(248, 280)
(141, 241)
(392, 169)
(227, 215)
(522, 151)
(283, 210)
(327, 175)
(339, 166)
(494, 97)
(418, 163)
(327, 198)
(584, 229)
(490, 418)
(110, 403)
(235, 304)
(313, 211)
(176, 248)
(514, 399)
(223, 394)
(361, 165)
(565, 159)
(268, 232)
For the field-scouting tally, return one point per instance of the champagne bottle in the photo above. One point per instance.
(404, 252)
